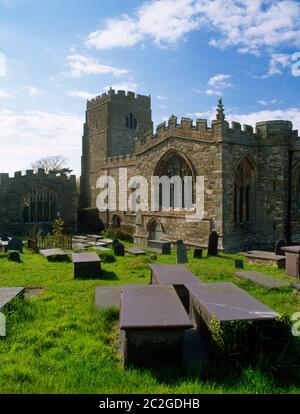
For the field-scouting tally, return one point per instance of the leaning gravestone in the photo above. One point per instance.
(278, 247)
(198, 253)
(213, 244)
(181, 253)
(15, 244)
(119, 249)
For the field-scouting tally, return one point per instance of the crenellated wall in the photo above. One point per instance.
(13, 189)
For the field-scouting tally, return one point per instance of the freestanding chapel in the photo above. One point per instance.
(251, 177)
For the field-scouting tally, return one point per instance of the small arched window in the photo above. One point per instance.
(244, 192)
(39, 206)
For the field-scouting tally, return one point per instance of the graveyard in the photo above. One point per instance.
(60, 341)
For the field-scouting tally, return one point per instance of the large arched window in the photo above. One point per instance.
(180, 189)
(244, 191)
(39, 206)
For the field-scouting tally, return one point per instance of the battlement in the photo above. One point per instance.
(186, 128)
(21, 175)
(111, 94)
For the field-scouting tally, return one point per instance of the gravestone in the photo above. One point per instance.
(86, 265)
(4, 237)
(15, 244)
(239, 264)
(213, 244)
(198, 253)
(115, 241)
(181, 252)
(261, 279)
(119, 249)
(278, 247)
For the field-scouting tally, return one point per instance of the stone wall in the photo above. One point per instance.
(13, 189)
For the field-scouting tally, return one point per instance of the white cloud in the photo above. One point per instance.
(33, 90)
(266, 102)
(161, 98)
(2, 64)
(27, 136)
(80, 64)
(217, 84)
(82, 94)
(4, 94)
(124, 86)
(278, 62)
(213, 92)
(289, 114)
(248, 25)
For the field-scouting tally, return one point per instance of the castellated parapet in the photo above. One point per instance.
(120, 94)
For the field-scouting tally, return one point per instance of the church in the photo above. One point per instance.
(251, 176)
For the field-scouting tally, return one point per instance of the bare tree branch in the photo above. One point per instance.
(54, 163)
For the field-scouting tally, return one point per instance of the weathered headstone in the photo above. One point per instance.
(198, 253)
(119, 249)
(15, 244)
(115, 241)
(86, 265)
(181, 252)
(239, 264)
(278, 247)
(213, 244)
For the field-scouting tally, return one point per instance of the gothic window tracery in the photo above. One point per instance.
(39, 206)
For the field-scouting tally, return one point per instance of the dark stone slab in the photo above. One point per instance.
(261, 279)
(80, 246)
(225, 302)
(7, 295)
(261, 257)
(147, 306)
(239, 264)
(213, 244)
(161, 246)
(198, 253)
(296, 286)
(195, 349)
(135, 251)
(119, 249)
(152, 325)
(181, 252)
(86, 265)
(55, 254)
(15, 244)
(107, 296)
(177, 276)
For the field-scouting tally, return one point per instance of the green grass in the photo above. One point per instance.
(59, 343)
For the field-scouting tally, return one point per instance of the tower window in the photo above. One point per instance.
(131, 122)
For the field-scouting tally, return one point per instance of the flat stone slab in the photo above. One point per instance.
(257, 256)
(261, 279)
(169, 274)
(101, 248)
(51, 254)
(7, 295)
(107, 296)
(296, 286)
(135, 250)
(291, 249)
(85, 258)
(227, 302)
(163, 246)
(107, 241)
(144, 307)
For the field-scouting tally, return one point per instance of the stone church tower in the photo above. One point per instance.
(113, 122)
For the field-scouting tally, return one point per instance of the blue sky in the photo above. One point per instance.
(55, 54)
